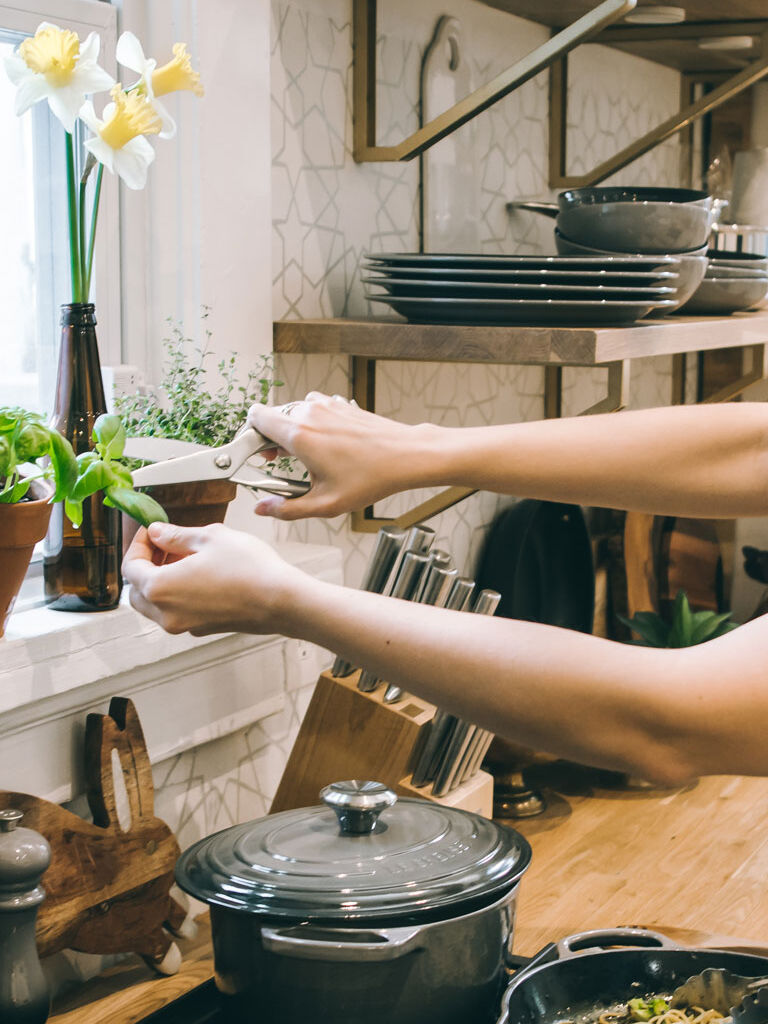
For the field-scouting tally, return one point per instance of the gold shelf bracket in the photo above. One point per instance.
(365, 148)
(558, 101)
(617, 390)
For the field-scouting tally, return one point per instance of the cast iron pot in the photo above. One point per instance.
(367, 909)
(560, 985)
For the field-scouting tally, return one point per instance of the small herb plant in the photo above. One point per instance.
(27, 441)
(685, 628)
(188, 406)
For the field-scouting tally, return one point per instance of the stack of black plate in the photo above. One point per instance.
(466, 289)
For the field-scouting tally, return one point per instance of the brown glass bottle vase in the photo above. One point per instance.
(81, 565)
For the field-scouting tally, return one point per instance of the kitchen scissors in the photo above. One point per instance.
(176, 462)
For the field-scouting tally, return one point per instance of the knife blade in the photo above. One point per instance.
(389, 542)
(412, 566)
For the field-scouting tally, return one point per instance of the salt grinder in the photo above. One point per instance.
(24, 856)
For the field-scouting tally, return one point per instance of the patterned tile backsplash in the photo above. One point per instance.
(328, 211)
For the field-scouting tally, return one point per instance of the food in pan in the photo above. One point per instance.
(653, 1010)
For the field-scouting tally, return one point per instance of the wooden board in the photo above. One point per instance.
(348, 734)
(107, 889)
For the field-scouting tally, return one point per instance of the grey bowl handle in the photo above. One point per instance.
(572, 944)
(335, 945)
(548, 209)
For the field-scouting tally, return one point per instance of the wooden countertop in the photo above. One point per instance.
(691, 862)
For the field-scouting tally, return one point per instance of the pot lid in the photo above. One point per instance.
(365, 855)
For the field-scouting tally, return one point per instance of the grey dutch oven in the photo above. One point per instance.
(367, 908)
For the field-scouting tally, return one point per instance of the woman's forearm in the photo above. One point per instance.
(707, 460)
(665, 715)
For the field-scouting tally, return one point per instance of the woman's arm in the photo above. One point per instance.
(664, 715)
(706, 460)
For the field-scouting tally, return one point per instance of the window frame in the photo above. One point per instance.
(84, 16)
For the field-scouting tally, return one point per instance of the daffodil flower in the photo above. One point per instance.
(175, 76)
(119, 140)
(54, 65)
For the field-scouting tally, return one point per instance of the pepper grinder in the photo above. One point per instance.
(24, 856)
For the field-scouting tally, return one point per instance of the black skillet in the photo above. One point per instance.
(561, 982)
(538, 556)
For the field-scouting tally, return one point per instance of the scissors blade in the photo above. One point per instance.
(206, 464)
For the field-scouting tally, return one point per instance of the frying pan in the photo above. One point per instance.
(560, 982)
(538, 555)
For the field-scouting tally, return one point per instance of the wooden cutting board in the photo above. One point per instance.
(108, 886)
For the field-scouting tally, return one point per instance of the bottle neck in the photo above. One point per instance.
(78, 314)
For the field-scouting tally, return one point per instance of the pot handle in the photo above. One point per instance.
(572, 944)
(548, 209)
(335, 945)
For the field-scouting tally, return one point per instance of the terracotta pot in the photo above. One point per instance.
(22, 525)
(197, 503)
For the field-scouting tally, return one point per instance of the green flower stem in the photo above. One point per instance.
(81, 242)
(92, 235)
(74, 247)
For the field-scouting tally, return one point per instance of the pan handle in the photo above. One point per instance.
(341, 945)
(548, 209)
(601, 937)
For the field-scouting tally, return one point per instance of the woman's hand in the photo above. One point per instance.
(353, 457)
(209, 580)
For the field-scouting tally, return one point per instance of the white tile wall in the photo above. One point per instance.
(328, 210)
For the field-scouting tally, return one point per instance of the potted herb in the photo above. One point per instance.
(194, 403)
(37, 469)
(685, 628)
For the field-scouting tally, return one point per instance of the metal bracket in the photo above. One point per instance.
(364, 393)
(558, 101)
(364, 80)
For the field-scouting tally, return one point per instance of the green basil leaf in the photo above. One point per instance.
(109, 433)
(5, 456)
(74, 511)
(122, 474)
(19, 489)
(32, 442)
(138, 506)
(64, 465)
(97, 477)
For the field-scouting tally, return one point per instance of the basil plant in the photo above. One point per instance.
(28, 444)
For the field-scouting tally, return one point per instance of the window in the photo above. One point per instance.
(34, 260)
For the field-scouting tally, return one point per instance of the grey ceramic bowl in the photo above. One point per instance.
(726, 295)
(736, 259)
(693, 267)
(718, 268)
(637, 220)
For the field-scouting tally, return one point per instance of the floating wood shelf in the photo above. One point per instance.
(547, 345)
(553, 347)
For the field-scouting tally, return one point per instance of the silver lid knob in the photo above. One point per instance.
(9, 819)
(357, 804)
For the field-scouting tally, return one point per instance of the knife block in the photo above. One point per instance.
(349, 734)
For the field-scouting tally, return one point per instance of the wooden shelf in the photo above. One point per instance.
(545, 346)
(675, 46)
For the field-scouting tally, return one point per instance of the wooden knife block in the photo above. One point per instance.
(349, 734)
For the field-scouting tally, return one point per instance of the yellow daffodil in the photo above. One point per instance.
(119, 137)
(53, 65)
(175, 76)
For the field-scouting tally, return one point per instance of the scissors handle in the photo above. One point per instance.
(281, 485)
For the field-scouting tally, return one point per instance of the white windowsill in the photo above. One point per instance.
(55, 667)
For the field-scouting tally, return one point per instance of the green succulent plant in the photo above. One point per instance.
(685, 628)
(31, 450)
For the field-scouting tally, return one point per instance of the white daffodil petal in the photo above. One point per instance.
(101, 151)
(15, 68)
(169, 125)
(89, 50)
(132, 162)
(65, 105)
(93, 79)
(29, 91)
(129, 53)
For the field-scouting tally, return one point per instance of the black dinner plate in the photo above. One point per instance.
(519, 311)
